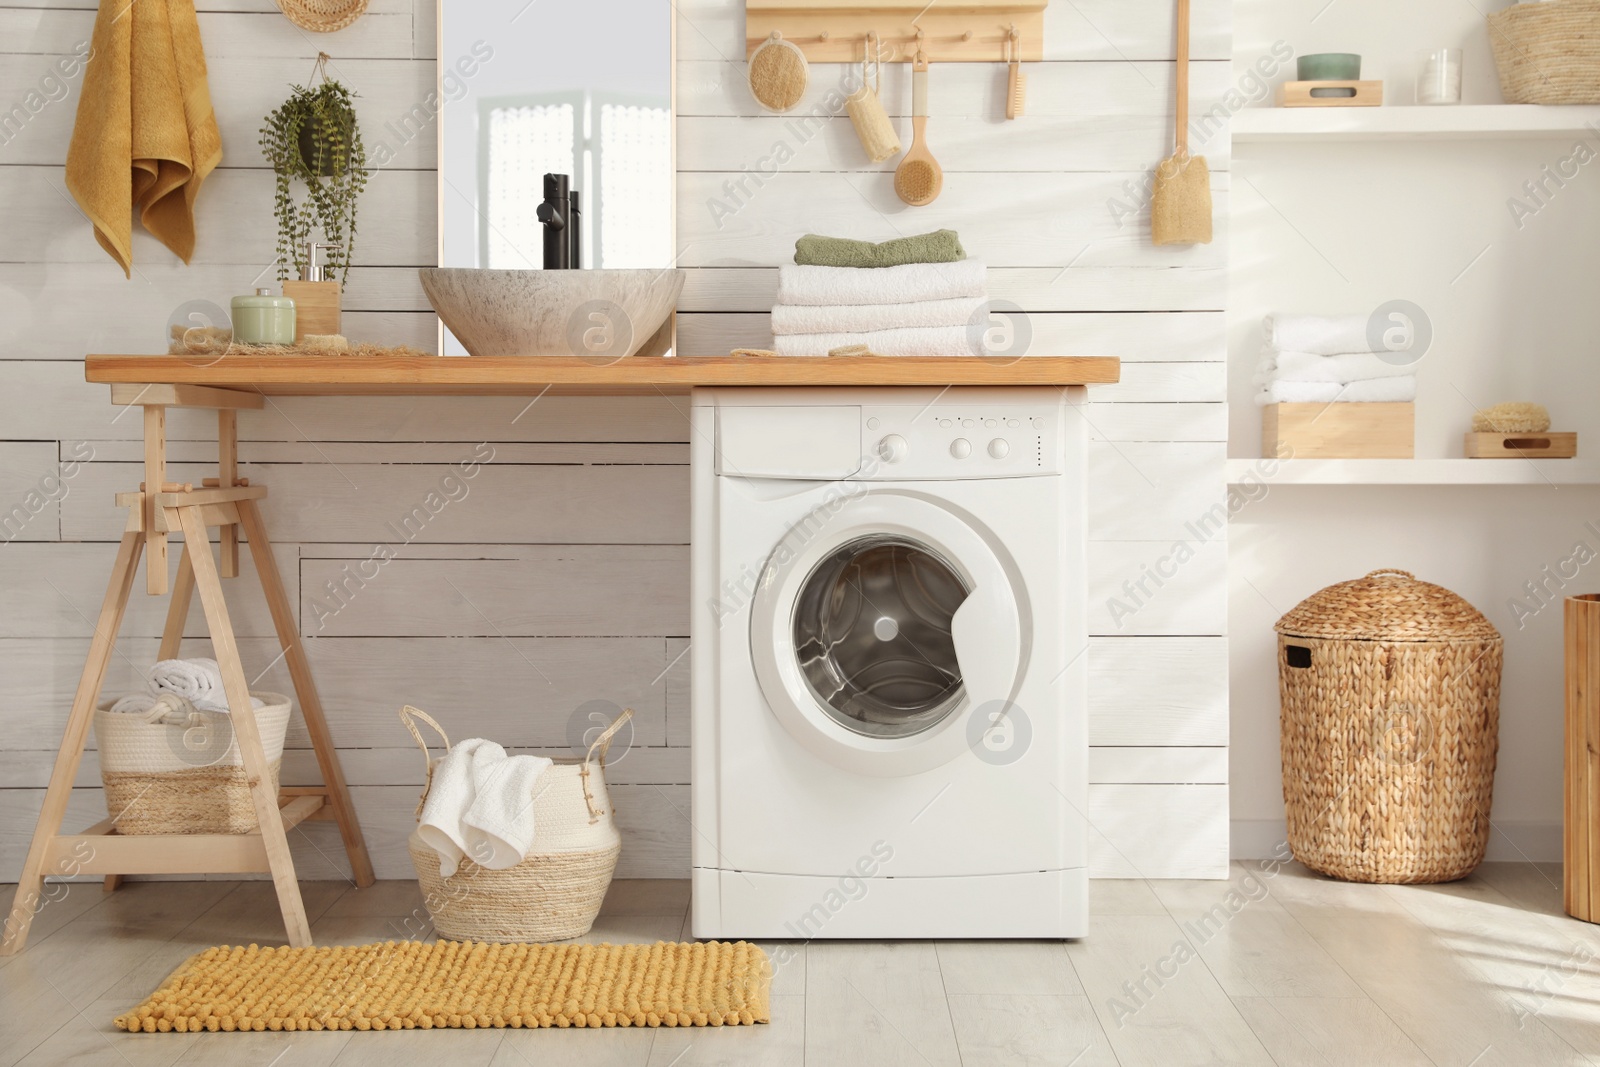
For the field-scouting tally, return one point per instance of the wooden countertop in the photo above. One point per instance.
(313, 375)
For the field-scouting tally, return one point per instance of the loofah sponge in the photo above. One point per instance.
(1512, 417)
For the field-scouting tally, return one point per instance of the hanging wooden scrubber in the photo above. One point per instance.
(322, 16)
(778, 74)
(1180, 208)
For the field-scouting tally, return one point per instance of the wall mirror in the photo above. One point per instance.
(583, 89)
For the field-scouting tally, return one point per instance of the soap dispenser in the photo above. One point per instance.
(315, 295)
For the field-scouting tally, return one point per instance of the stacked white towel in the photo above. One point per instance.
(1310, 359)
(197, 681)
(916, 309)
(480, 806)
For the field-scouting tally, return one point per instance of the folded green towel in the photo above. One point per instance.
(940, 246)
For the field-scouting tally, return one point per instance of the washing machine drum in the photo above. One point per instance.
(872, 634)
(878, 627)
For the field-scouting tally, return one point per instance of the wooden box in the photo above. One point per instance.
(1339, 431)
(1522, 445)
(1299, 94)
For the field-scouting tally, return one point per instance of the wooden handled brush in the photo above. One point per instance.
(918, 178)
(1180, 210)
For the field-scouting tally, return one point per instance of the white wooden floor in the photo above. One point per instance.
(1290, 969)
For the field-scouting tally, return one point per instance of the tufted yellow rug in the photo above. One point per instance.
(412, 985)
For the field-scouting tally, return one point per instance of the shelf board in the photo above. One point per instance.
(1543, 472)
(1447, 122)
(344, 375)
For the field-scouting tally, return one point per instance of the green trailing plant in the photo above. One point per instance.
(313, 138)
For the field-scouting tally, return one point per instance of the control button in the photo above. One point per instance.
(966, 422)
(892, 449)
(873, 424)
(999, 449)
(945, 423)
(989, 422)
(1013, 422)
(961, 448)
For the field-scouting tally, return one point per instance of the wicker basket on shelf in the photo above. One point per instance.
(1548, 53)
(1391, 707)
(556, 891)
(184, 778)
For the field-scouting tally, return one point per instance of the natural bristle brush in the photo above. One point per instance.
(918, 178)
(1016, 81)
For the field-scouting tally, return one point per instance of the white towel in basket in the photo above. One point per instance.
(198, 681)
(480, 806)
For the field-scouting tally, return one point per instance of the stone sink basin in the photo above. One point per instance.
(608, 314)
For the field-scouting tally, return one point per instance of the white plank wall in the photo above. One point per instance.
(559, 576)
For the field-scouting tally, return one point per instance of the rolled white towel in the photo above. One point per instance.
(907, 283)
(1317, 334)
(1344, 368)
(1372, 391)
(852, 318)
(911, 341)
(198, 681)
(167, 708)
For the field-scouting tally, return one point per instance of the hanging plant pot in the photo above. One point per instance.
(313, 142)
(319, 152)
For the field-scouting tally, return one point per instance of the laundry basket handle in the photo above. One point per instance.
(603, 742)
(603, 745)
(407, 715)
(1392, 572)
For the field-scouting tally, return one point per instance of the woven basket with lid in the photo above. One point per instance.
(1390, 690)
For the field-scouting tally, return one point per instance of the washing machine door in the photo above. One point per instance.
(879, 623)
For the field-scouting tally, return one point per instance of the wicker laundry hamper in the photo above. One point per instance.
(1548, 53)
(1391, 708)
(553, 894)
(187, 778)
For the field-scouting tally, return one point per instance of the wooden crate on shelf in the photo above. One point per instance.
(1339, 431)
(1521, 445)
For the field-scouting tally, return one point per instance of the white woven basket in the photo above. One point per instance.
(188, 779)
(556, 891)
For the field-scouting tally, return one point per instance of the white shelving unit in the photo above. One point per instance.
(1394, 123)
(1550, 473)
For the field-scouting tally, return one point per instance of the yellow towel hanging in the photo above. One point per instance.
(145, 136)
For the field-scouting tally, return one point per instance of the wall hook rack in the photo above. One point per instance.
(831, 31)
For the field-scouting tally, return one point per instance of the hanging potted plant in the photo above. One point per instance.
(313, 137)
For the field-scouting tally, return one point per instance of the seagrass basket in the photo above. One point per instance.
(555, 892)
(1548, 53)
(188, 777)
(1390, 692)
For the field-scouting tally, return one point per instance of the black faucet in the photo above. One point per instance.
(560, 223)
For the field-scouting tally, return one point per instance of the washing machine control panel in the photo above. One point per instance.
(964, 442)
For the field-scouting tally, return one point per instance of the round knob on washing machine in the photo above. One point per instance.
(999, 448)
(892, 449)
(961, 448)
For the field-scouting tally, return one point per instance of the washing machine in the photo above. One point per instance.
(889, 642)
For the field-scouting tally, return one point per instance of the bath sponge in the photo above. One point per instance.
(1512, 417)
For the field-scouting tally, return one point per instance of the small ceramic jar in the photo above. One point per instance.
(263, 319)
(1329, 67)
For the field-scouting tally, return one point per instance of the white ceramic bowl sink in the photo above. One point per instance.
(608, 314)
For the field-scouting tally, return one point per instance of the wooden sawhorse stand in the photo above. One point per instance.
(156, 509)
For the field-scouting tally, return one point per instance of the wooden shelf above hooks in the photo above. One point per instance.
(835, 31)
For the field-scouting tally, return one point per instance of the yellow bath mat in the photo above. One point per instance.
(412, 985)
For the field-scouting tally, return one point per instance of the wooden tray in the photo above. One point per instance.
(1298, 94)
(1522, 445)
